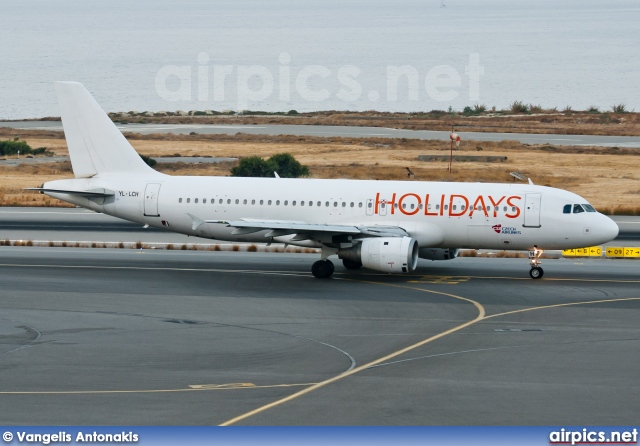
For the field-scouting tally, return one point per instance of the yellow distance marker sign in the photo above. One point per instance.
(632, 252)
(615, 252)
(592, 251)
(628, 253)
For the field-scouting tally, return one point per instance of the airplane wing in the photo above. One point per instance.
(303, 230)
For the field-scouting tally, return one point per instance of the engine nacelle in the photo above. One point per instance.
(387, 254)
(438, 253)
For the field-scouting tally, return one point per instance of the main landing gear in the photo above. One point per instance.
(536, 272)
(322, 269)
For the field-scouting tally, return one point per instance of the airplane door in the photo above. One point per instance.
(369, 206)
(151, 200)
(382, 209)
(532, 210)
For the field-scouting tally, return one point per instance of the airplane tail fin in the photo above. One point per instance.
(95, 144)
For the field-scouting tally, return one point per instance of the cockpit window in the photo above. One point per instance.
(566, 209)
(577, 209)
(588, 208)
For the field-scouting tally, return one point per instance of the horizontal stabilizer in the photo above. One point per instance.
(103, 193)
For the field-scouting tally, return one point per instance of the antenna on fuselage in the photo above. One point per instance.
(519, 176)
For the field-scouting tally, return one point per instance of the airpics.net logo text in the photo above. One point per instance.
(591, 436)
(209, 82)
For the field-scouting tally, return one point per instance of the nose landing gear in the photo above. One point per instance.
(536, 272)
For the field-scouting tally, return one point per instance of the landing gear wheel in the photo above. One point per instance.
(536, 272)
(322, 269)
(350, 264)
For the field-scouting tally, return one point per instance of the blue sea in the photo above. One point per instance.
(280, 55)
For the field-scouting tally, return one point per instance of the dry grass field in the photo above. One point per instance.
(535, 120)
(608, 177)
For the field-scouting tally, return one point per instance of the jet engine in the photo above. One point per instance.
(438, 253)
(387, 254)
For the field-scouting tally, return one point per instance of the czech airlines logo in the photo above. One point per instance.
(506, 230)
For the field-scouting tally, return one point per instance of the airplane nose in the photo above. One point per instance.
(608, 229)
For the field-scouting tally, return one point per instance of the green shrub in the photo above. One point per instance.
(287, 166)
(150, 161)
(252, 166)
(283, 163)
(619, 108)
(12, 148)
(519, 107)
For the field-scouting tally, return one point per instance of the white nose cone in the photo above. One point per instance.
(607, 229)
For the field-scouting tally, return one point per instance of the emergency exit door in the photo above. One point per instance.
(151, 200)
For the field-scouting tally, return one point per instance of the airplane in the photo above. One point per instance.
(380, 225)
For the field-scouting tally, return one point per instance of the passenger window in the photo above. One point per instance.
(253, 201)
(344, 204)
(327, 204)
(229, 201)
(420, 206)
(319, 203)
(352, 205)
(220, 201)
(293, 203)
(446, 207)
(311, 203)
(286, 202)
(382, 205)
(513, 209)
(413, 205)
(302, 203)
(195, 201)
(277, 202)
(504, 209)
(395, 205)
(360, 204)
(453, 207)
(204, 200)
(335, 204)
(244, 201)
(437, 207)
(577, 209)
(462, 207)
(261, 202)
(269, 202)
(566, 209)
(179, 200)
(369, 205)
(188, 200)
(237, 201)
(488, 208)
(404, 205)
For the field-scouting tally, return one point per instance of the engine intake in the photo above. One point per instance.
(387, 254)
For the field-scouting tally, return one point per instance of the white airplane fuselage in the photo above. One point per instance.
(436, 214)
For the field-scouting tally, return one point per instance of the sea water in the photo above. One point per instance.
(305, 55)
